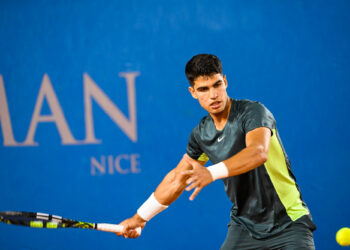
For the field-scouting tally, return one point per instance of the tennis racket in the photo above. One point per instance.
(41, 220)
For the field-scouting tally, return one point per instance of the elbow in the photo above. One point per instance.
(261, 155)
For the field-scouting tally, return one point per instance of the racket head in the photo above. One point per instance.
(41, 220)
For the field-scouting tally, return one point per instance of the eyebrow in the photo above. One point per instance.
(218, 81)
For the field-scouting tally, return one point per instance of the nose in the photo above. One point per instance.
(213, 93)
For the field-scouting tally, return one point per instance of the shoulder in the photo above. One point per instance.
(245, 104)
(244, 107)
(203, 124)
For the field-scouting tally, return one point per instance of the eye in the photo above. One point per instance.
(218, 84)
(202, 89)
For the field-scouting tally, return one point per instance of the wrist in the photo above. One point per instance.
(218, 171)
(138, 218)
(150, 208)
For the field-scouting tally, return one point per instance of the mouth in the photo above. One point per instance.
(215, 105)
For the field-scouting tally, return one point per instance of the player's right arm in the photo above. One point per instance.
(166, 193)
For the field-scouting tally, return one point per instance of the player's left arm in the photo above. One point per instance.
(252, 156)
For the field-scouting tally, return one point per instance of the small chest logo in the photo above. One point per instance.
(220, 138)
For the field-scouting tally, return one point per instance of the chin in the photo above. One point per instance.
(217, 111)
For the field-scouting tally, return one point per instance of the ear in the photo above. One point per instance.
(225, 81)
(193, 92)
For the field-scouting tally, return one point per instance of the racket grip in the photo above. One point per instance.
(113, 228)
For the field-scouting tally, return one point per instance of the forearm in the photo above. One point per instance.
(172, 185)
(246, 160)
(167, 192)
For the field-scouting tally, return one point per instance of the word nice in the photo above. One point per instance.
(91, 92)
(122, 164)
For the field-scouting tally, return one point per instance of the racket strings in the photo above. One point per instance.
(42, 220)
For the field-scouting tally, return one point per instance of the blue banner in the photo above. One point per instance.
(95, 111)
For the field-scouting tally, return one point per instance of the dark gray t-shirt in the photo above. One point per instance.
(267, 198)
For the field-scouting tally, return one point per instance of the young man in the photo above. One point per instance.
(241, 140)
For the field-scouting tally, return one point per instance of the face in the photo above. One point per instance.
(211, 93)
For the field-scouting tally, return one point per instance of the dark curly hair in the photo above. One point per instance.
(202, 65)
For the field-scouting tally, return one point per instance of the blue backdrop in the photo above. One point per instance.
(95, 110)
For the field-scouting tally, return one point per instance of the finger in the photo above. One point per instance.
(192, 186)
(187, 172)
(195, 192)
(125, 229)
(135, 234)
(131, 234)
(189, 180)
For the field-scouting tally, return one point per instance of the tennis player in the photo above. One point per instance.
(241, 140)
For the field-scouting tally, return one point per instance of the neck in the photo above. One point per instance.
(220, 119)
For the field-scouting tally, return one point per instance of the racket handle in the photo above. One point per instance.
(113, 228)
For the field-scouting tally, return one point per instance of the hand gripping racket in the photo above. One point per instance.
(41, 220)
